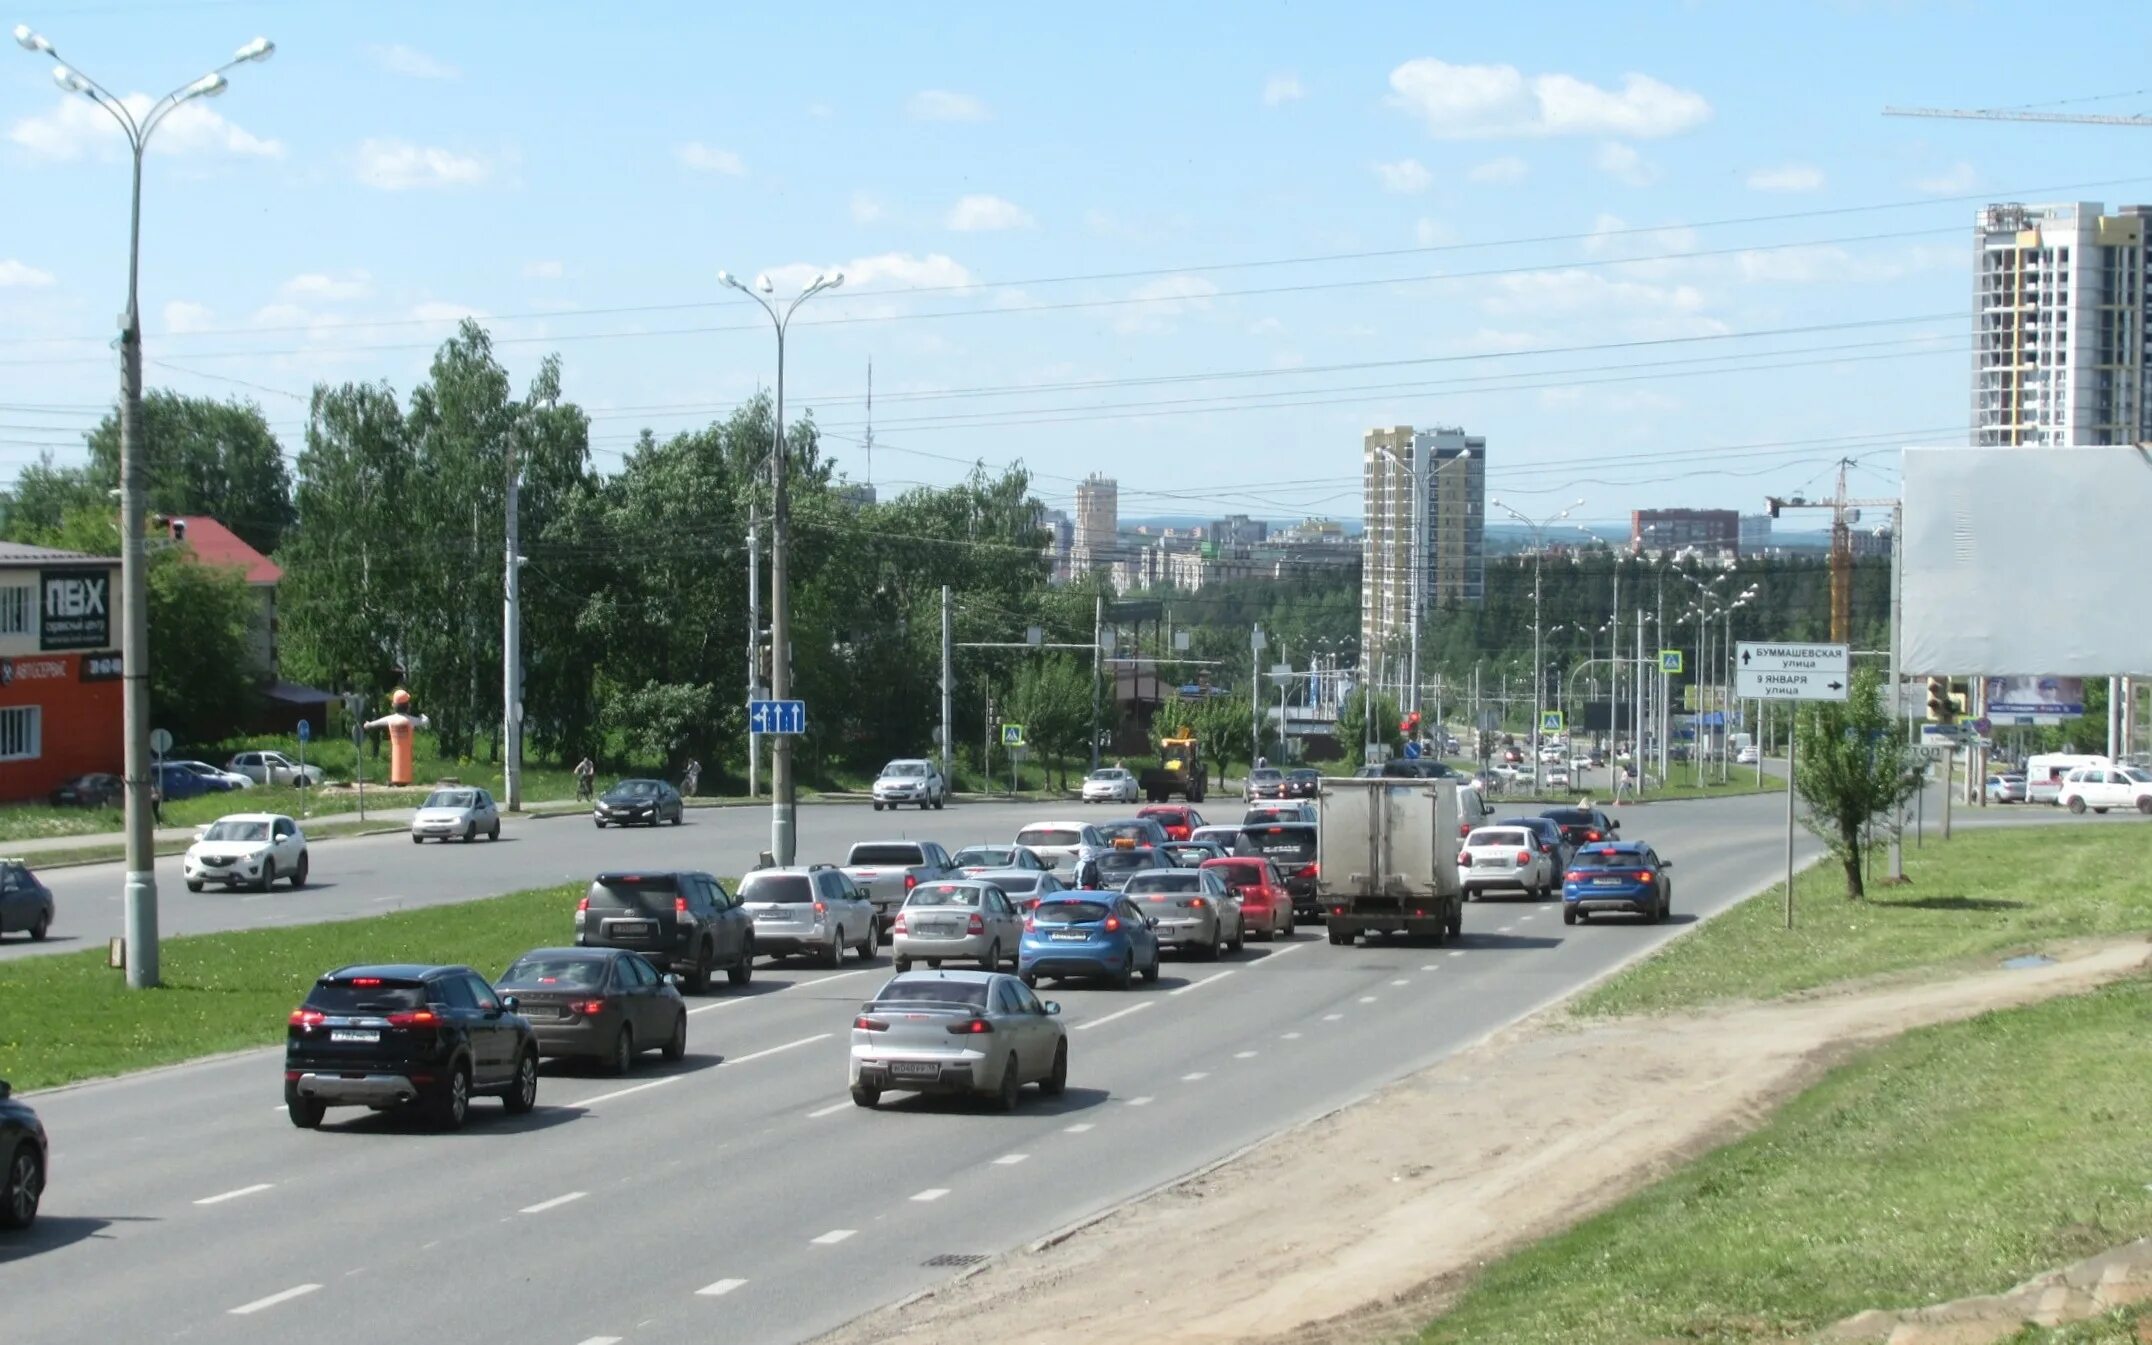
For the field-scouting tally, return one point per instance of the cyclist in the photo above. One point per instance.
(691, 777)
(585, 771)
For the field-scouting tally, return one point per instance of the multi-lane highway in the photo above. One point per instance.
(740, 1195)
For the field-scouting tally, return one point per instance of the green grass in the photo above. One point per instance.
(1984, 895)
(2123, 1326)
(1958, 1160)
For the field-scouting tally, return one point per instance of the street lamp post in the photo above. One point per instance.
(140, 893)
(783, 803)
(1539, 549)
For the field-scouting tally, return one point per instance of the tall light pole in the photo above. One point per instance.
(1539, 550)
(783, 803)
(140, 893)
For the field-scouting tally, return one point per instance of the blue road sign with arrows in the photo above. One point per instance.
(777, 717)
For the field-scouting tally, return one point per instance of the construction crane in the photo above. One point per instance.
(1843, 512)
(2007, 114)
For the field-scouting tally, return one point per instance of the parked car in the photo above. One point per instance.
(1302, 782)
(274, 768)
(1024, 888)
(1111, 784)
(176, 782)
(682, 922)
(2009, 788)
(95, 790)
(973, 860)
(459, 812)
(396, 1034)
(1617, 876)
(966, 1032)
(816, 910)
(1266, 907)
(910, 780)
(1191, 910)
(255, 848)
(648, 802)
(1748, 756)
(1109, 869)
(887, 871)
(26, 1155)
(1290, 846)
(1062, 845)
(603, 1004)
(1583, 826)
(1088, 934)
(1555, 774)
(2102, 787)
(1512, 859)
(1178, 820)
(1192, 854)
(1264, 782)
(219, 779)
(955, 920)
(26, 905)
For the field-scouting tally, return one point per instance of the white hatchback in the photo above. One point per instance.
(457, 813)
(1506, 859)
(2102, 787)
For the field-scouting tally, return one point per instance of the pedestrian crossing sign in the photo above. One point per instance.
(1670, 660)
(1012, 735)
(1550, 721)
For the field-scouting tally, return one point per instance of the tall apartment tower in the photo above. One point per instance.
(1448, 548)
(2061, 348)
(1098, 525)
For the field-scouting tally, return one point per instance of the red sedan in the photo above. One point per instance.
(1266, 908)
(1178, 819)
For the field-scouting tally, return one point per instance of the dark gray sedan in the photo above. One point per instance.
(25, 903)
(602, 1004)
(644, 802)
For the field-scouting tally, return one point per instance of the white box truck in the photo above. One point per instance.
(1386, 858)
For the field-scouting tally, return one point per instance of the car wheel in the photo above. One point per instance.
(1030, 979)
(2144, 805)
(1057, 1082)
(268, 878)
(599, 823)
(453, 1102)
(1125, 977)
(865, 1097)
(44, 923)
(305, 1112)
(495, 833)
(877, 808)
(742, 971)
(418, 840)
(623, 1058)
(2101, 811)
(298, 875)
(470, 832)
(680, 817)
(2077, 806)
(870, 948)
(25, 1186)
(1216, 949)
(1338, 936)
(904, 964)
(1240, 937)
(193, 886)
(522, 1095)
(834, 954)
(1569, 915)
(940, 803)
(992, 960)
(698, 973)
(676, 1044)
(1150, 973)
(1011, 1083)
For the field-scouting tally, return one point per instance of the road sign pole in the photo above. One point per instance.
(1792, 746)
(1950, 771)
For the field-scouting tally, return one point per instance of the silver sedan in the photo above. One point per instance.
(970, 1033)
(1191, 909)
(959, 920)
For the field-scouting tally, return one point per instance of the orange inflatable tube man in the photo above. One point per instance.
(400, 723)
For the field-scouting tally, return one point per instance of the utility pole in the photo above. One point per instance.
(1098, 638)
(512, 638)
(948, 759)
(1256, 643)
(754, 644)
(1897, 706)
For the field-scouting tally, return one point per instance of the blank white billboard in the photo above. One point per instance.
(2024, 562)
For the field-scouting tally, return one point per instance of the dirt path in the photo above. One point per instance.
(1359, 1228)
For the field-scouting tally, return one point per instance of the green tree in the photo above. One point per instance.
(1353, 720)
(206, 457)
(1221, 724)
(1852, 767)
(45, 494)
(1052, 700)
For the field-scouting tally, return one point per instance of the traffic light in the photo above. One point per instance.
(1942, 706)
(1961, 700)
(1410, 724)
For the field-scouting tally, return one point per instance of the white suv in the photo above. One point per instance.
(910, 780)
(2102, 787)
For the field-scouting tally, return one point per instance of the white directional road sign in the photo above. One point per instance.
(1765, 670)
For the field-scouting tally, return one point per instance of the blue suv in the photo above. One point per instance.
(1626, 876)
(1088, 934)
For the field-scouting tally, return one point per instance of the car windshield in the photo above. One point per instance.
(2141, 777)
(1163, 882)
(1114, 831)
(1486, 837)
(1050, 836)
(934, 990)
(1569, 817)
(1266, 774)
(1069, 912)
(905, 855)
(907, 769)
(1238, 876)
(237, 831)
(638, 789)
(548, 973)
(1307, 775)
(452, 798)
(1285, 843)
(1126, 861)
(1016, 884)
(986, 856)
(366, 995)
(791, 889)
(1606, 859)
(1108, 774)
(946, 894)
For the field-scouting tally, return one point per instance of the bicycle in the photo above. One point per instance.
(583, 791)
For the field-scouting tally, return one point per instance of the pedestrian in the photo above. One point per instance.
(585, 771)
(691, 778)
(156, 800)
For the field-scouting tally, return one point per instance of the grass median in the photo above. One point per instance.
(69, 1016)
(1984, 894)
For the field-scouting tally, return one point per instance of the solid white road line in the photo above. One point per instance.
(296, 1291)
(931, 1193)
(833, 1237)
(825, 1111)
(1117, 1013)
(773, 1050)
(623, 1092)
(720, 1288)
(1191, 1078)
(1139, 1102)
(602, 1340)
(1077, 1129)
(234, 1195)
(555, 1203)
(1208, 980)
(1010, 1160)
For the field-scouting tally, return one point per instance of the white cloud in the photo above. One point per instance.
(22, 275)
(1641, 309)
(1163, 299)
(549, 269)
(985, 214)
(1405, 177)
(709, 159)
(865, 208)
(1432, 232)
(77, 125)
(942, 105)
(398, 165)
(1282, 89)
(1507, 171)
(398, 59)
(315, 285)
(183, 316)
(902, 270)
(1787, 177)
(1266, 327)
(435, 310)
(1612, 236)
(1477, 102)
(1622, 163)
(1959, 178)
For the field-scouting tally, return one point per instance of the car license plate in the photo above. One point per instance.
(352, 1034)
(1491, 862)
(915, 1069)
(635, 928)
(1069, 936)
(1606, 882)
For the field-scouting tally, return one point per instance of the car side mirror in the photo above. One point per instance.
(672, 978)
(6, 1089)
(511, 1003)
(1150, 923)
(1053, 1010)
(1666, 863)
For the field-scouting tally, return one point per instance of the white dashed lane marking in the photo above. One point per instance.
(1208, 980)
(623, 1092)
(1077, 1129)
(1290, 1036)
(832, 1107)
(1139, 1102)
(720, 1288)
(773, 1050)
(1400, 982)
(221, 1197)
(1244, 1055)
(1367, 999)
(296, 1291)
(1010, 1160)
(833, 1237)
(555, 1203)
(1117, 1013)
(1332, 1017)
(931, 1193)
(603, 1340)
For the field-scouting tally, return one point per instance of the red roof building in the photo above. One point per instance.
(214, 544)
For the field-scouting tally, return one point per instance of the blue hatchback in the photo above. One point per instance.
(1088, 934)
(1626, 876)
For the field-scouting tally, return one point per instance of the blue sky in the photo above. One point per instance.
(1062, 216)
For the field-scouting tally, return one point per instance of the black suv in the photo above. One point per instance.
(22, 1161)
(389, 1036)
(680, 922)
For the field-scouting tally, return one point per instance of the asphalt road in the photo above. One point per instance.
(740, 1195)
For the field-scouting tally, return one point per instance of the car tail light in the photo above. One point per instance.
(866, 1024)
(583, 906)
(1337, 910)
(1031, 924)
(1113, 924)
(1592, 836)
(679, 907)
(911, 880)
(1464, 828)
(1643, 875)
(367, 980)
(975, 925)
(1524, 856)
(898, 926)
(820, 909)
(306, 1018)
(970, 1027)
(589, 1008)
(1311, 871)
(1572, 877)
(1198, 903)
(413, 1018)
